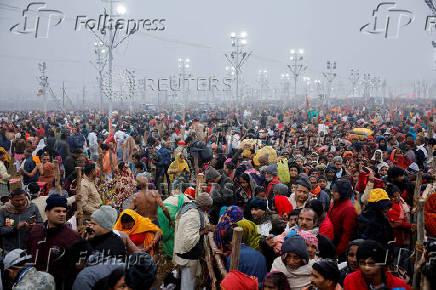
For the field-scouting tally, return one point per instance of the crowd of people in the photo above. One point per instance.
(327, 198)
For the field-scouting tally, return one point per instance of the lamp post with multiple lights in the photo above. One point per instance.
(285, 79)
(354, 79)
(107, 37)
(184, 66)
(330, 75)
(263, 82)
(366, 85)
(238, 56)
(296, 66)
(100, 64)
(230, 73)
(306, 81)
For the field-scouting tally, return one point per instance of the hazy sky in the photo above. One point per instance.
(326, 29)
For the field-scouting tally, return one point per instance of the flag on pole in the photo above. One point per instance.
(307, 101)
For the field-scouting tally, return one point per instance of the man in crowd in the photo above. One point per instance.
(100, 234)
(48, 242)
(89, 195)
(17, 218)
(325, 275)
(191, 226)
(22, 275)
(373, 272)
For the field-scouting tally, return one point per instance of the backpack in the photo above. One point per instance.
(204, 152)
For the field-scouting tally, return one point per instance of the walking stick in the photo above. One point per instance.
(417, 192)
(57, 177)
(111, 162)
(419, 218)
(419, 246)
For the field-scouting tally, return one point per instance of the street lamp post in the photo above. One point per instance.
(263, 82)
(306, 81)
(354, 78)
(330, 75)
(230, 73)
(185, 66)
(43, 82)
(131, 82)
(99, 65)
(296, 67)
(366, 85)
(375, 85)
(285, 78)
(238, 56)
(317, 84)
(108, 37)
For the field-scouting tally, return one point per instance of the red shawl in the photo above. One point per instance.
(430, 215)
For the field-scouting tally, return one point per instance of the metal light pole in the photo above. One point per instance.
(306, 81)
(330, 75)
(131, 82)
(366, 85)
(99, 65)
(354, 79)
(230, 73)
(317, 84)
(263, 82)
(375, 84)
(296, 67)
(108, 36)
(285, 79)
(184, 75)
(43, 82)
(238, 56)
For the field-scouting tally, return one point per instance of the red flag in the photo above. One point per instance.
(307, 101)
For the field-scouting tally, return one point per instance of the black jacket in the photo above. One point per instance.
(222, 195)
(110, 245)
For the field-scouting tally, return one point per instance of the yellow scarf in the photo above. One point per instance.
(142, 225)
(7, 156)
(179, 164)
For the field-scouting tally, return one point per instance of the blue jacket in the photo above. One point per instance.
(251, 263)
(164, 158)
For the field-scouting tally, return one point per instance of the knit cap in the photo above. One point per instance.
(308, 237)
(328, 269)
(106, 216)
(295, 244)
